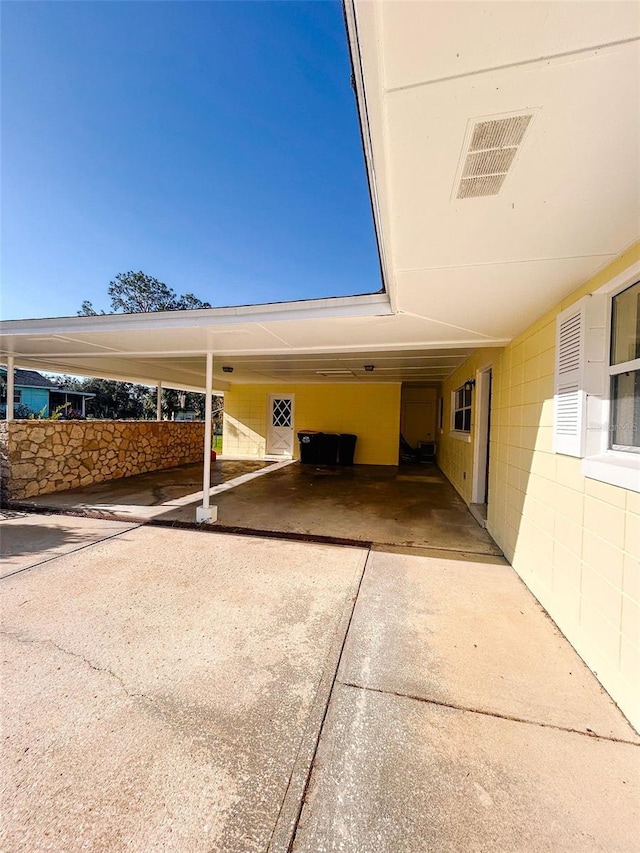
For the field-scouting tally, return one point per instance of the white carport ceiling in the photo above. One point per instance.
(261, 346)
(460, 273)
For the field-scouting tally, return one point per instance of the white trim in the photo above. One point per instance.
(616, 467)
(10, 388)
(461, 436)
(460, 433)
(207, 514)
(625, 366)
(569, 397)
(481, 433)
(284, 395)
(621, 281)
(376, 304)
(351, 23)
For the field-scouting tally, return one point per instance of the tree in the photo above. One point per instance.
(112, 399)
(136, 292)
(130, 401)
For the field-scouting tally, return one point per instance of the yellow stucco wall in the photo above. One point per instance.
(371, 411)
(574, 541)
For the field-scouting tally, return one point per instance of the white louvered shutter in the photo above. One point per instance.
(570, 397)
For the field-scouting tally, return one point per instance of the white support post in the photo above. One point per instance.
(10, 387)
(84, 406)
(159, 402)
(205, 513)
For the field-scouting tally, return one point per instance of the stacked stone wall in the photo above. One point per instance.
(38, 457)
(4, 461)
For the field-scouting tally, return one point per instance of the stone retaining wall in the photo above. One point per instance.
(38, 457)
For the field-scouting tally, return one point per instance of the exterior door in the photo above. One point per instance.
(482, 417)
(280, 434)
(419, 421)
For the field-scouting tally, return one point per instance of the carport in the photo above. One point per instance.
(339, 362)
(404, 506)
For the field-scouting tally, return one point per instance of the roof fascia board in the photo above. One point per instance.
(71, 391)
(375, 304)
(35, 387)
(220, 385)
(351, 24)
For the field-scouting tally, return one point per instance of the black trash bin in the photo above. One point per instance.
(347, 448)
(310, 446)
(329, 448)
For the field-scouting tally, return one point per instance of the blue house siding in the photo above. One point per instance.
(40, 396)
(36, 398)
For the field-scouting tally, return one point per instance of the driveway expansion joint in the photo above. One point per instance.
(285, 829)
(466, 709)
(133, 526)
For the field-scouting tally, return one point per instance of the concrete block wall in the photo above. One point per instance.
(455, 454)
(370, 410)
(40, 457)
(574, 541)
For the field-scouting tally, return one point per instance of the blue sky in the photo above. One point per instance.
(213, 145)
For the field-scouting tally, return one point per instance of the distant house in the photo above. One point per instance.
(40, 395)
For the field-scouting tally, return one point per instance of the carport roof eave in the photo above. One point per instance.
(22, 330)
(373, 304)
(108, 373)
(117, 346)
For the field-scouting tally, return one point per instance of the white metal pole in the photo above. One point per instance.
(206, 513)
(159, 402)
(10, 387)
(84, 406)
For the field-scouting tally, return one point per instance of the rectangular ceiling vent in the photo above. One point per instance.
(490, 154)
(330, 371)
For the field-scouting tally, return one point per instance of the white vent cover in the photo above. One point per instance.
(490, 153)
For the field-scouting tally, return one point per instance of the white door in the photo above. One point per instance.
(280, 435)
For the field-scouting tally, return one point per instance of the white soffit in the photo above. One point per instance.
(571, 200)
(187, 372)
(170, 346)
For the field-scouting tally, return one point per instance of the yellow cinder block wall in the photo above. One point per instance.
(455, 455)
(574, 541)
(370, 410)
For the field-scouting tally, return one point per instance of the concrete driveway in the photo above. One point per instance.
(171, 690)
(407, 505)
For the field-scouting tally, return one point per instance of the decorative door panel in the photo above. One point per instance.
(280, 432)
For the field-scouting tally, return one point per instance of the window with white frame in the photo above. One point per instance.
(624, 370)
(461, 409)
(597, 382)
(17, 395)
